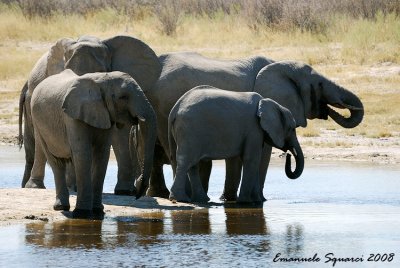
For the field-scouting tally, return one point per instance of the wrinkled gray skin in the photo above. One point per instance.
(244, 121)
(73, 118)
(296, 86)
(87, 55)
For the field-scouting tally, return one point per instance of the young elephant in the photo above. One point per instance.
(73, 117)
(209, 123)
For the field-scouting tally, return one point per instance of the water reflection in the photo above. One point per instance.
(68, 233)
(145, 229)
(191, 222)
(245, 221)
(294, 239)
(96, 234)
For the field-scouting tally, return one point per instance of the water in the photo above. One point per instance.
(342, 210)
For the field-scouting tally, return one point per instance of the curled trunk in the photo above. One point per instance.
(343, 99)
(355, 118)
(298, 155)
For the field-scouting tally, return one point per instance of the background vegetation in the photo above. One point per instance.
(354, 42)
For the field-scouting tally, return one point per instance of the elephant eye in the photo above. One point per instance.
(124, 97)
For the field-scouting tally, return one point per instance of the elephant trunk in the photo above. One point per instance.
(299, 157)
(148, 130)
(343, 99)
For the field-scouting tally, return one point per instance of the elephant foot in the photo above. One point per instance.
(200, 198)
(227, 198)
(72, 189)
(82, 214)
(60, 207)
(263, 199)
(98, 214)
(36, 183)
(125, 192)
(125, 187)
(179, 197)
(248, 200)
(158, 192)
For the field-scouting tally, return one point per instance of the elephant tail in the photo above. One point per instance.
(22, 99)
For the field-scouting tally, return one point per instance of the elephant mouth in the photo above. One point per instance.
(321, 111)
(134, 121)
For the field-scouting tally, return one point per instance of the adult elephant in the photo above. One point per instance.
(296, 86)
(87, 55)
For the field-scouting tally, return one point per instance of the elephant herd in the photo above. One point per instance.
(84, 96)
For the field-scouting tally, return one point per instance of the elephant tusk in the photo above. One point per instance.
(294, 152)
(346, 106)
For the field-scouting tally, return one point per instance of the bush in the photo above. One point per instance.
(168, 13)
(306, 15)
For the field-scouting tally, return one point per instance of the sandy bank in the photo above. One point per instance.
(27, 205)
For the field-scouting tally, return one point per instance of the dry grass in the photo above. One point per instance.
(359, 48)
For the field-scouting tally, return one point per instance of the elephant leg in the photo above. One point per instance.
(29, 147)
(29, 143)
(205, 172)
(232, 179)
(39, 164)
(128, 168)
(197, 190)
(265, 159)
(62, 194)
(178, 189)
(157, 181)
(71, 177)
(250, 188)
(99, 168)
(81, 150)
(157, 185)
(84, 196)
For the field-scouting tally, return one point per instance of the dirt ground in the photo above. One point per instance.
(14, 208)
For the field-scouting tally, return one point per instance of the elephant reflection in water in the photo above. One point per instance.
(66, 234)
(143, 230)
(191, 221)
(294, 239)
(127, 231)
(245, 221)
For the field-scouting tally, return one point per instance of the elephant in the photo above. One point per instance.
(88, 54)
(73, 118)
(294, 85)
(210, 123)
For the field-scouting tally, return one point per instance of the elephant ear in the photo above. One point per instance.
(272, 121)
(132, 56)
(56, 56)
(84, 102)
(276, 81)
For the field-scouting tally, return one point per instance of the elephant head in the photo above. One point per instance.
(307, 94)
(89, 54)
(102, 99)
(280, 131)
